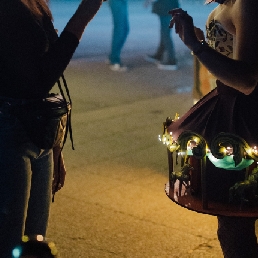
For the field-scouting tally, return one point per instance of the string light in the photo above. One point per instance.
(225, 156)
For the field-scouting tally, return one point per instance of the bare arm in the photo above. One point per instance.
(241, 72)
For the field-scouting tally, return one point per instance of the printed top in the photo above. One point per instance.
(219, 39)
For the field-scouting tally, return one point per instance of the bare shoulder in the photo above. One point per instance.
(245, 19)
(247, 9)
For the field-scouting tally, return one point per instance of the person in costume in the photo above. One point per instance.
(32, 59)
(230, 53)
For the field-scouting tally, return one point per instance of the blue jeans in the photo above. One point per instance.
(119, 10)
(166, 49)
(25, 184)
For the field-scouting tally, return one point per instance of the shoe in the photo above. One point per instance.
(118, 68)
(152, 59)
(168, 67)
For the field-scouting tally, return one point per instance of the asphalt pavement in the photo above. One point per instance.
(113, 203)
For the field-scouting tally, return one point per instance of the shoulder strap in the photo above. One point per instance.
(69, 112)
(68, 125)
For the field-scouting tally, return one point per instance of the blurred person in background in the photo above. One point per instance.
(231, 55)
(119, 11)
(32, 59)
(165, 56)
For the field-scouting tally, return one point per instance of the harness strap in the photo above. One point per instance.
(68, 128)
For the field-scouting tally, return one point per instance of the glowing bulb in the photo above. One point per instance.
(39, 237)
(25, 239)
(249, 151)
(176, 116)
(16, 252)
(222, 150)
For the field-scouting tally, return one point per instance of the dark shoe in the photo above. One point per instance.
(152, 59)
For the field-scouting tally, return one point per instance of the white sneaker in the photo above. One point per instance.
(118, 68)
(168, 67)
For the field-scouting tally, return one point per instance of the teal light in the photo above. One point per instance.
(228, 163)
(16, 252)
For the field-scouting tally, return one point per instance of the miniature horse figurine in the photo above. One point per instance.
(245, 191)
(182, 176)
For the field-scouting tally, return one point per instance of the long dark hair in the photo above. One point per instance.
(38, 7)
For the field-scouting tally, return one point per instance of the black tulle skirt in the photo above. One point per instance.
(222, 110)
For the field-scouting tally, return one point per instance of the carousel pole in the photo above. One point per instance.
(204, 183)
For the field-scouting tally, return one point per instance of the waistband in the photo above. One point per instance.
(5, 101)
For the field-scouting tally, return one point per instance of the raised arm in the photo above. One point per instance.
(241, 72)
(83, 15)
(32, 55)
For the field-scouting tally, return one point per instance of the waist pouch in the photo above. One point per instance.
(45, 121)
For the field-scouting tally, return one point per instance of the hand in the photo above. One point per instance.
(59, 170)
(90, 7)
(184, 27)
(199, 33)
(83, 15)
